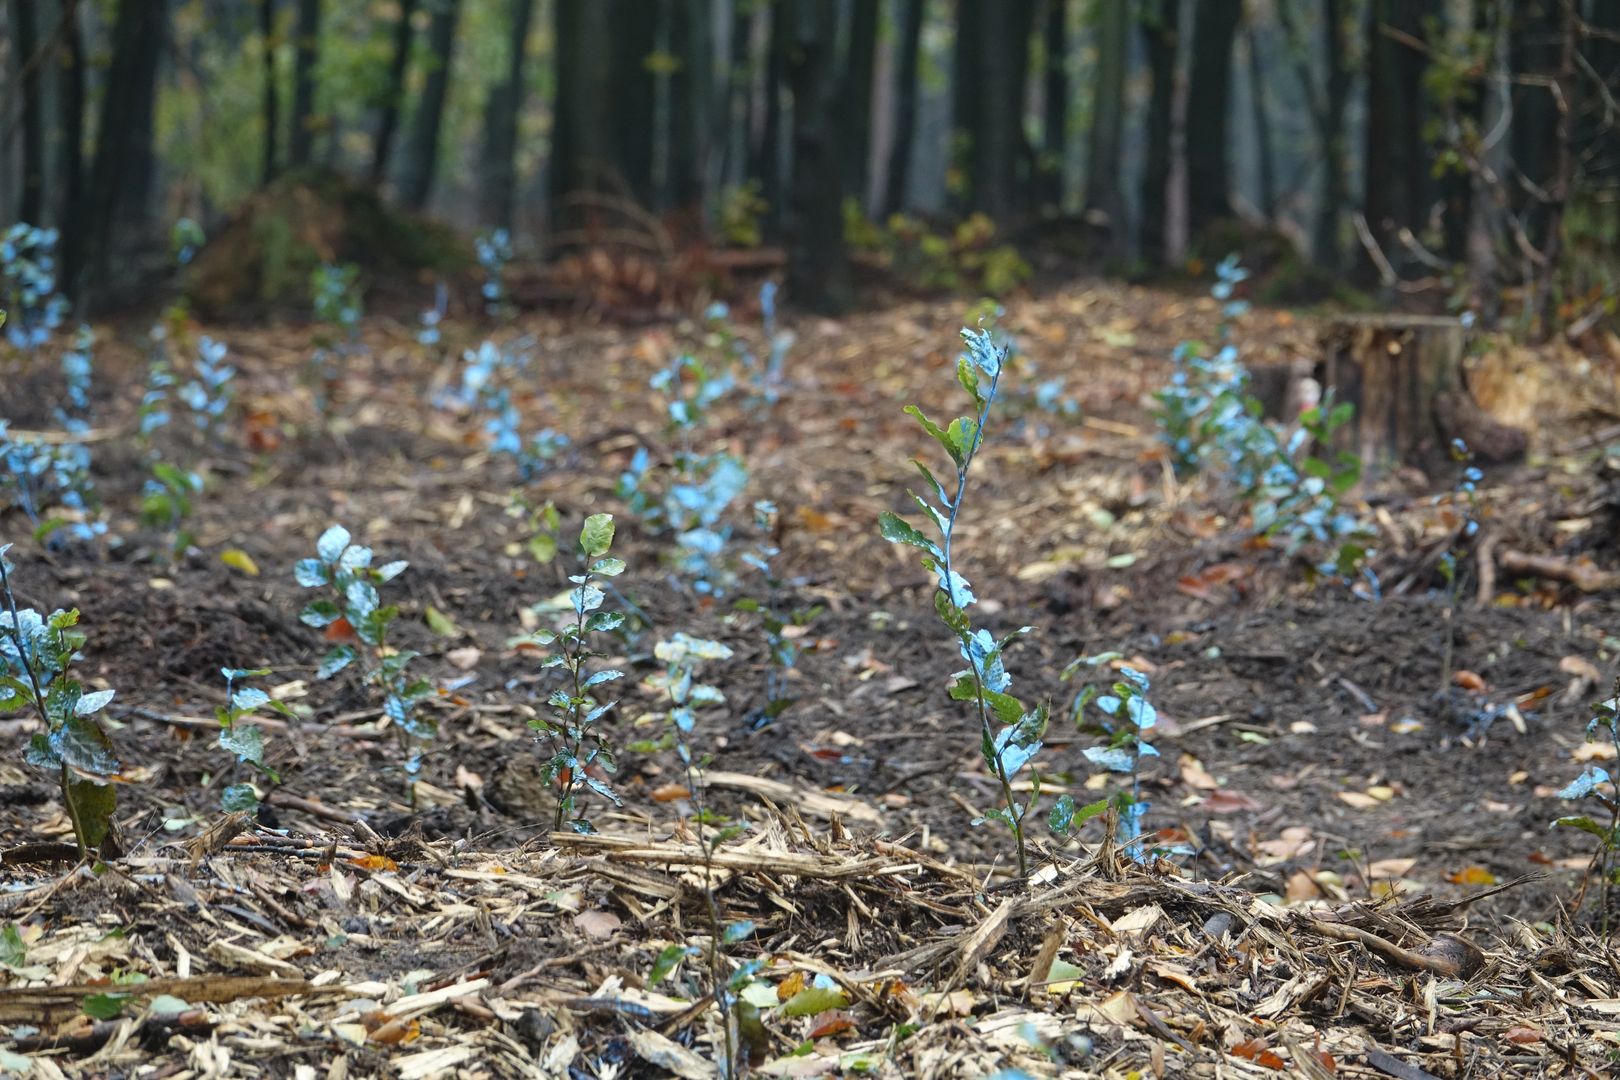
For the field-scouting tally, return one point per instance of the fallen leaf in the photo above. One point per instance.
(1357, 799)
(1390, 868)
(465, 658)
(440, 623)
(375, 862)
(1193, 774)
(1301, 888)
(1228, 802)
(670, 792)
(237, 559)
(1472, 875)
(597, 923)
(1519, 1033)
(1469, 680)
(836, 1024)
(1593, 751)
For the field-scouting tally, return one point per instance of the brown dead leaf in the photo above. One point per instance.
(1194, 775)
(597, 923)
(1469, 680)
(1472, 875)
(1359, 800)
(1222, 801)
(1301, 887)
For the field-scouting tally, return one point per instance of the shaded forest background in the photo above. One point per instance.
(1459, 151)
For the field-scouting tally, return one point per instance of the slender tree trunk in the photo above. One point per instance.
(1055, 114)
(422, 158)
(1396, 161)
(1262, 125)
(394, 91)
(1336, 185)
(909, 48)
(271, 106)
(501, 112)
(71, 103)
(1107, 119)
(856, 107)
(1535, 41)
(967, 101)
(773, 182)
(996, 60)
(691, 100)
(1160, 22)
(582, 147)
(818, 270)
(306, 53)
(1209, 193)
(116, 188)
(25, 49)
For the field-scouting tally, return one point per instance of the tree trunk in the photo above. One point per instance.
(991, 88)
(1209, 194)
(691, 97)
(856, 107)
(773, 185)
(909, 48)
(394, 92)
(29, 61)
(306, 52)
(1103, 195)
(71, 103)
(501, 124)
(1262, 125)
(1327, 116)
(422, 157)
(271, 102)
(1160, 23)
(1404, 376)
(120, 174)
(818, 268)
(1396, 161)
(1055, 111)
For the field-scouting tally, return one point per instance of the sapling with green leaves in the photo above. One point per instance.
(683, 656)
(574, 729)
(36, 672)
(1596, 785)
(355, 618)
(239, 736)
(1126, 714)
(1010, 734)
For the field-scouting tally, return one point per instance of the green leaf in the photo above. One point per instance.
(239, 797)
(951, 615)
(897, 530)
(1587, 825)
(246, 741)
(940, 435)
(81, 743)
(13, 952)
(596, 536)
(665, 963)
(440, 623)
(813, 1000)
(95, 804)
(104, 1006)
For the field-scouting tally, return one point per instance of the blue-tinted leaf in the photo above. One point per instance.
(90, 704)
(331, 544)
(1585, 784)
(309, 573)
(1114, 759)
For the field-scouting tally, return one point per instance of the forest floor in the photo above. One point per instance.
(1346, 802)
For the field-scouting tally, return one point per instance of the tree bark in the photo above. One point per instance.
(909, 48)
(990, 89)
(1404, 376)
(1055, 111)
(271, 102)
(856, 107)
(120, 174)
(422, 157)
(501, 123)
(25, 49)
(1326, 109)
(1262, 125)
(1103, 195)
(691, 96)
(1209, 193)
(382, 151)
(818, 267)
(306, 53)
(1160, 24)
(1396, 160)
(71, 104)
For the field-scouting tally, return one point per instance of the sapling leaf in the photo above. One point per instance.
(1114, 759)
(246, 741)
(608, 567)
(331, 544)
(596, 536)
(249, 698)
(600, 677)
(934, 484)
(940, 435)
(80, 742)
(1587, 825)
(335, 661)
(319, 613)
(94, 805)
(90, 704)
(1585, 784)
(309, 573)
(897, 530)
(390, 571)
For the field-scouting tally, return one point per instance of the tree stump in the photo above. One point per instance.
(1404, 375)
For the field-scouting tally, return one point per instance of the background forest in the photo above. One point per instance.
(1460, 149)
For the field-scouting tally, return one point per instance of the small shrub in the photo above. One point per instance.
(51, 485)
(494, 250)
(966, 258)
(433, 317)
(336, 294)
(1596, 785)
(244, 739)
(1010, 733)
(28, 285)
(209, 391)
(1125, 715)
(166, 501)
(36, 657)
(354, 617)
(573, 730)
(186, 238)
